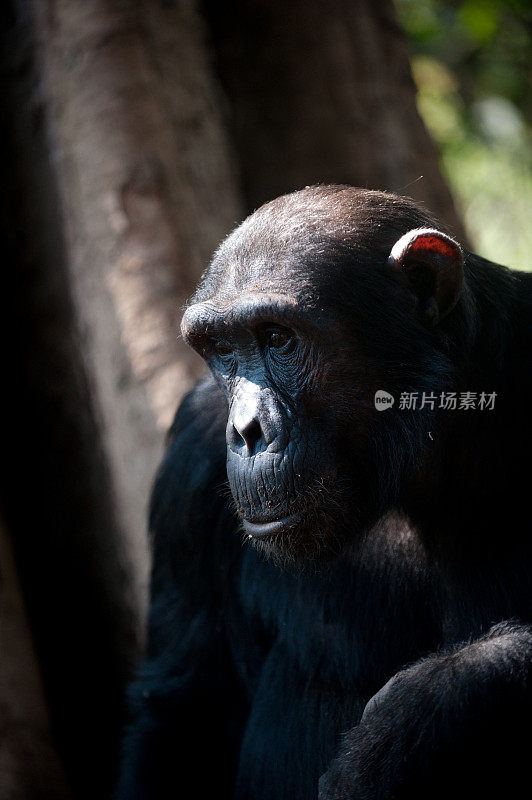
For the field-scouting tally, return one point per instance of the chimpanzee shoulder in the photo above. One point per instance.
(185, 685)
(193, 529)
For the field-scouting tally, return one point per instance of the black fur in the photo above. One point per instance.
(406, 588)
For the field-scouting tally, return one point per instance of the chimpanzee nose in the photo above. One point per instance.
(246, 433)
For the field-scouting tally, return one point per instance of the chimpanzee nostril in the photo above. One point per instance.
(248, 433)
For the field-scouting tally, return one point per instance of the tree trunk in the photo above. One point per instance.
(56, 487)
(148, 191)
(96, 367)
(321, 91)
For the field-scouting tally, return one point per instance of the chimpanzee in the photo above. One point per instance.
(351, 619)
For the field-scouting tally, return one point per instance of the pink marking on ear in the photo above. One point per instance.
(435, 244)
(424, 241)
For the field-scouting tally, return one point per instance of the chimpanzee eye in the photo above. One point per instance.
(279, 339)
(221, 349)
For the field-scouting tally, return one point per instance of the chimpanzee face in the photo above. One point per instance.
(303, 315)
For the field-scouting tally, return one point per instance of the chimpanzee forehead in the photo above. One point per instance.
(304, 242)
(297, 273)
(295, 252)
(301, 270)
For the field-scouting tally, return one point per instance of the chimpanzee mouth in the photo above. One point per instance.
(262, 530)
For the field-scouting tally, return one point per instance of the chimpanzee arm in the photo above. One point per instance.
(184, 703)
(452, 725)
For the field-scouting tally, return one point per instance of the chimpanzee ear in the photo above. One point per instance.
(432, 264)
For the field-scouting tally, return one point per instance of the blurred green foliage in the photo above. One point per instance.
(472, 63)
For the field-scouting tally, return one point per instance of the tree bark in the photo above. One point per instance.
(56, 487)
(145, 193)
(148, 190)
(321, 91)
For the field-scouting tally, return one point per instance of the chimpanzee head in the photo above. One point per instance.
(314, 303)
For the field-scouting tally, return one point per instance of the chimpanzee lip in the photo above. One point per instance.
(261, 530)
